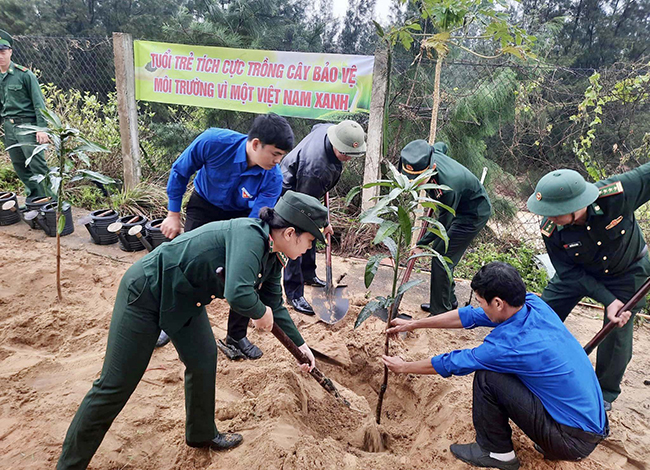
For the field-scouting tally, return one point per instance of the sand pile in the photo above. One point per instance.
(50, 353)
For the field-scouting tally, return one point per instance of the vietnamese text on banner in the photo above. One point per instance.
(316, 86)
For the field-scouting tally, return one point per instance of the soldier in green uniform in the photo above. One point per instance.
(597, 249)
(169, 288)
(469, 200)
(20, 103)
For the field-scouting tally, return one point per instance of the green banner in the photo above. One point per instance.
(316, 86)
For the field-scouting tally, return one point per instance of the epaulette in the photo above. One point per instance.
(610, 189)
(547, 227)
(21, 68)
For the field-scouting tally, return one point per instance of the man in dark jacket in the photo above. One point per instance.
(314, 167)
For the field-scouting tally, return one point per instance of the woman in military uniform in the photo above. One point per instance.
(169, 288)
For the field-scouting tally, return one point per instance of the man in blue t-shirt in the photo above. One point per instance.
(529, 369)
(236, 175)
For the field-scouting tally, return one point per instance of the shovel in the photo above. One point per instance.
(331, 306)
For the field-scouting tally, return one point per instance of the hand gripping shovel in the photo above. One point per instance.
(330, 306)
(600, 336)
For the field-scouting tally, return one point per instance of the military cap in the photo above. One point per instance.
(415, 158)
(348, 138)
(561, 192)
(304, 212)
(441, 147)
(6, 41)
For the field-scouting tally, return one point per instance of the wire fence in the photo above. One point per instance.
(84, 64)
(513, 120)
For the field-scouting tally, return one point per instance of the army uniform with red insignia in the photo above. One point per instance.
(605, 259)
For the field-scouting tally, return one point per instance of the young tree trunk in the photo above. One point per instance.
(436, 99)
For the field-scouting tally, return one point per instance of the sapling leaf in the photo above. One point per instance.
(60, 224)
(371, 268)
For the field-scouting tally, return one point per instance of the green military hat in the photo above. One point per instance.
(441, 147)
(561, 192)
(415, 158)
(6, 41)
(348, 138)
(304, 212)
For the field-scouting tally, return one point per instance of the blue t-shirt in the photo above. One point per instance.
(218, 157)
(535, 346)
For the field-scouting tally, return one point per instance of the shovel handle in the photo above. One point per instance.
(600, 336)
(323, 381)
(328, 249)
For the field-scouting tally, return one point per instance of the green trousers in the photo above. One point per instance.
(615, 352)
(19, 155)
(442, 289)
(131, 339)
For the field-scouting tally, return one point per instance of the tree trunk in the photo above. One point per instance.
(436, 100)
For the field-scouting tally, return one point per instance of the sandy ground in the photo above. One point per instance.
(50, 352)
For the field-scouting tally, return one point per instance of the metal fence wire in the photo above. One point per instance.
(84, 64)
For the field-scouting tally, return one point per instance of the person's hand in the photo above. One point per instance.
(266, 322)
(394, 363)
(328, 231)
(622, 319)
(312, 361)
(42, 138)
(399, 325)
(171, 226)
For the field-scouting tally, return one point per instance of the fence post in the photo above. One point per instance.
(127, 108)
(375, 127)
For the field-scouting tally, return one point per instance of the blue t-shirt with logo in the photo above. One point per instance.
(535, 346)
(218, 157)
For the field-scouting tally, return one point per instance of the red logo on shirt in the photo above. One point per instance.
(245, 194)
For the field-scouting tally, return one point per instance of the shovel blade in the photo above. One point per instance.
(332, 307)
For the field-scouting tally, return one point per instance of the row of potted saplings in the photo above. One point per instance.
(133, 232)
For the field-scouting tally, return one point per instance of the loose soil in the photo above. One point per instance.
(50, 352)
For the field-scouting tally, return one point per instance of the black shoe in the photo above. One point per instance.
(474, 455)
(608, 405)
(163, 339)
(223, 441)
(301, 305)
(314, 281)
(427, 307)
(245, 346)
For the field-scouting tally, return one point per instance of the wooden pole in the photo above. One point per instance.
(374, 152)
(127, 108)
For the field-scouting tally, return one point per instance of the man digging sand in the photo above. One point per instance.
(529, 369)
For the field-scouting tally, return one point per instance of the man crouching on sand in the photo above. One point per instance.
(529, 369)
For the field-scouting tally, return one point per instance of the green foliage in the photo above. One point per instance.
(522, 257)
(396, 218)
(635, 90)
(458, 22)
(504, 209)
(87, 196)
(146, 199)
(9, 179)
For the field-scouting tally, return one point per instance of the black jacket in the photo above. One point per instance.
(312, 167)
